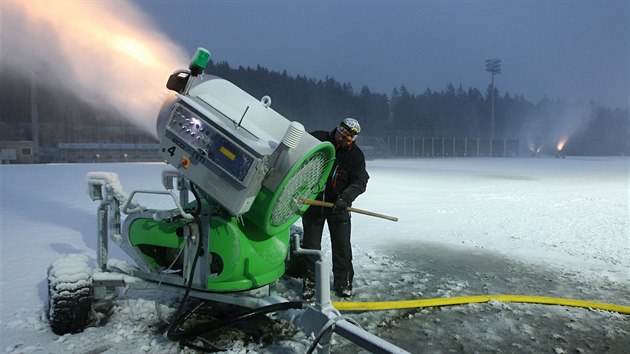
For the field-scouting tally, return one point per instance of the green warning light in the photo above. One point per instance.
(199, 61)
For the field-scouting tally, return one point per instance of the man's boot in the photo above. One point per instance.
(343, 288)
(308, 289)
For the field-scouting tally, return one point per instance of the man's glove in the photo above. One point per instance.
(340, 205)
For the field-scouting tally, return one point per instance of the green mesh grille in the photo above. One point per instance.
(303, 185)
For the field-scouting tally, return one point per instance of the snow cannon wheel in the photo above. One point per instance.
(70, 294)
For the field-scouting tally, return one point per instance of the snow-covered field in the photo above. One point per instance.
(530, 226)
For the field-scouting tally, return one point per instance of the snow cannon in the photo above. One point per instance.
(249, 171)
(247, 166)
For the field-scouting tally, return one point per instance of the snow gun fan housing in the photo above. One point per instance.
(248, 165)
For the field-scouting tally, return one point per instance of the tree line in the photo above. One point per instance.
(453, 112)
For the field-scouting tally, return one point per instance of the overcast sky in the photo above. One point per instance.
(563, 49)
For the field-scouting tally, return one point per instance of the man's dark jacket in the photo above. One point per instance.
(348, 177)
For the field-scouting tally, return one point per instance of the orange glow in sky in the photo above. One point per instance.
(106, 52)
(561, 143)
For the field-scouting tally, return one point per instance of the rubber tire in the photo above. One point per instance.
(70, 294)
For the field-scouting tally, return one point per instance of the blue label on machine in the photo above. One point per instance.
(206, 145)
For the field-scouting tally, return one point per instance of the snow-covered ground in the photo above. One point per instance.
(530, 226)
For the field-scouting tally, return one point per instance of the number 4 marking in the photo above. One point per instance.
(171, 150)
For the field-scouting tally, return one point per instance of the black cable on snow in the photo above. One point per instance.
(178, 319)
(174, 333)
(220, 324)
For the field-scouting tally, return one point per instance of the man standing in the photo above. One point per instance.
(347, 180)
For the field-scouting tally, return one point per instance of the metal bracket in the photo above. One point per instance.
(322, 319)
(158, 215)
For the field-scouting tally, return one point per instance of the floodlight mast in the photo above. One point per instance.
(494, 67)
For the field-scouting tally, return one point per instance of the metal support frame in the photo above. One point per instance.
(108, 218)
(320, 319)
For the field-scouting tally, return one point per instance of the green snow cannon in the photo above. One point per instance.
(249, 165)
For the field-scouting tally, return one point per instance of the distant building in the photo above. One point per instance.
(17, 152)
(107, 152)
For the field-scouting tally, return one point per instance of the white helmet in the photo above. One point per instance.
(351, 125)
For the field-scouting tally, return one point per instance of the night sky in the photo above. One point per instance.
(577, 50)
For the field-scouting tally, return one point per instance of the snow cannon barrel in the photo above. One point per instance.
(247, 157)
(251, 161)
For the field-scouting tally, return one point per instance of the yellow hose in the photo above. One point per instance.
(406, 304)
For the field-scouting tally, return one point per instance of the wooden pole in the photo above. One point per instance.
(353, 210)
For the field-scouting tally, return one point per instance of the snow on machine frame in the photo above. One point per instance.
(246, 166)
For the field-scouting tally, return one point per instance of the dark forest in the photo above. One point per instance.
(454, 112)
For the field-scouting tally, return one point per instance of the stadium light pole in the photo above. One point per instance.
(34, 120)
(494, 67)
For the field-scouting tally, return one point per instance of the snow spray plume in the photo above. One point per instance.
(561, 143)
(553, 125)
(569, 120)
(106, 53)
